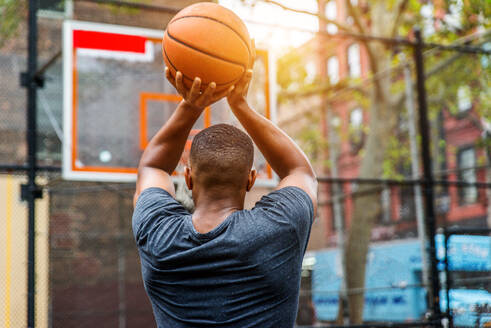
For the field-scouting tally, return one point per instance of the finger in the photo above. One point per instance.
(208, 94)
(180, 86)
(248, 75)
(244, 82)
(167, 74)
(194, 93)
(246, 89)
(169, 77)
(241, 84)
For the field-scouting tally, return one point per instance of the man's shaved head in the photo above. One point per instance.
(221, 155)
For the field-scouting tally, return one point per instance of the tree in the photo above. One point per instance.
(390, 18)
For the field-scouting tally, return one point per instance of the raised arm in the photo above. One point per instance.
(162, 154)
(281, 152)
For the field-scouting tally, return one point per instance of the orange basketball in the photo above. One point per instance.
(208, 41)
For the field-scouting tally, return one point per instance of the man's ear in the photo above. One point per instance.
(188, 178)
(251, 179)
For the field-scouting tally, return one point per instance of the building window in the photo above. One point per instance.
(464, 98)
(55, 8)
(385, 200)
(337, 197)
(311, 71)
(334, 126)
(336, 122)
(354, 65)
(356, 118)
(331, 14)
(333, 69)
(356, 129)
(407, 209)
(52, 5)
(466, 159)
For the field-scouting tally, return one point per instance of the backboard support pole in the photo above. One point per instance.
(30, 191)
(430, 217)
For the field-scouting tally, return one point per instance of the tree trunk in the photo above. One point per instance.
(382, 124)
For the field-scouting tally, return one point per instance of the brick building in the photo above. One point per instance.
(457, 134)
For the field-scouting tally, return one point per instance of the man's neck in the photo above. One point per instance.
(212, 208)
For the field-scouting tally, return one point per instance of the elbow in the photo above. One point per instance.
(308, 172)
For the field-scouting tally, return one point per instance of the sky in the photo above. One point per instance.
(273, 38)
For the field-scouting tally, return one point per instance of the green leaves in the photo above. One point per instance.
(10, 18)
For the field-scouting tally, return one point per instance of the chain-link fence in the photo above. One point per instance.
(12, 108)
(13, 254)
(87, 266)
(396, 279)
(369, 256)
(368, 249)
(88, 269)
(95, 272)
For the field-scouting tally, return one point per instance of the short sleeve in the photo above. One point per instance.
(293, 206)
(154, 205)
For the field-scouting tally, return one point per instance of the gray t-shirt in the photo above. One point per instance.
(243, 273)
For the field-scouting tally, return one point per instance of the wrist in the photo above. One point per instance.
(239, 104)
(189, 107)
(188, 113)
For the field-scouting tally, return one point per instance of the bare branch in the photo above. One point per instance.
(442, 65)
(341, 26)
(373, 62)
(398, 100)
(362, 27)
(356, 14)
(397, 16)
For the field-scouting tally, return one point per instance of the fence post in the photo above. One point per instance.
(30, 191)
(434, 291)
(413, 143)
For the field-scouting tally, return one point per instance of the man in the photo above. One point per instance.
(222, 266)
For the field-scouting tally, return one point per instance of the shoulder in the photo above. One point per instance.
(290, 205)
(149, 195)
(287, 209)
(290, 196)
(155, 198)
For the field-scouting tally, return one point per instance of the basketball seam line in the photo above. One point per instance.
(204, 52)
(184, 76)
(216, 20)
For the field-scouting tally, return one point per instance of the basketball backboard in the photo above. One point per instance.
(116, 98)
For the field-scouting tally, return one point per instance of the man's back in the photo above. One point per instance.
(243, 273)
